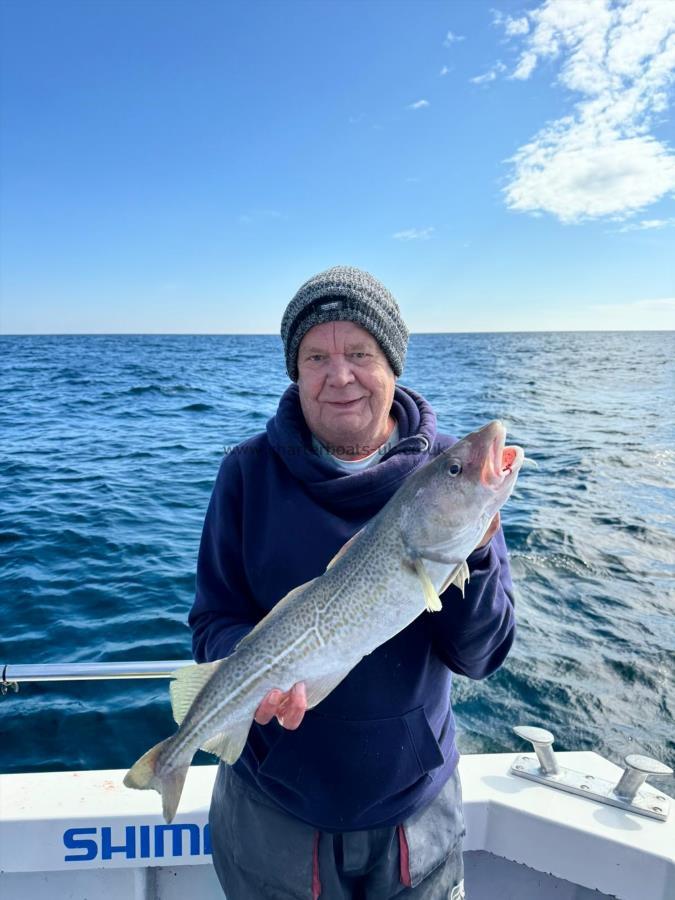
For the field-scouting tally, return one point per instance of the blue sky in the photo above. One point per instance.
(173, 166)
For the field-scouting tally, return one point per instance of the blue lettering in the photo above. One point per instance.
(72, 842)
(138, 840)
(128, 848)
(145, 842)
(177, 839)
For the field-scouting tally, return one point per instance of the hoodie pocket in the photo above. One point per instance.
(337, 769)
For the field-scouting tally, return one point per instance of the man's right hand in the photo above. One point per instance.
(288, 706)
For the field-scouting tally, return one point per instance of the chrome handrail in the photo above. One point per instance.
(12, 675)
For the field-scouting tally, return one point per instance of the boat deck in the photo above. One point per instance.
(82, 835)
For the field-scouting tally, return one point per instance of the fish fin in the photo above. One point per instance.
(228, 745)
(458, 577)
(187, 683)
(431, 598)
(319, 688)
(343, 549)
(143, 775)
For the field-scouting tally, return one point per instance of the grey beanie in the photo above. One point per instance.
(345, 294)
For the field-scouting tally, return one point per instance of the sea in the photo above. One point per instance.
(109, 447)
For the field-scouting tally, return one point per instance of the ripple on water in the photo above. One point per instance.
(197, 407)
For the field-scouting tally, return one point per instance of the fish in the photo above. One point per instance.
(380, 581)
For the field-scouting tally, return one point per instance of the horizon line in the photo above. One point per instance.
(276, 333)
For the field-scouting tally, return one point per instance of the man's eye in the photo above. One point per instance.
(359, 354)
(315, 357)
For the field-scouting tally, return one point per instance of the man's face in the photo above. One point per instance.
(346, 387)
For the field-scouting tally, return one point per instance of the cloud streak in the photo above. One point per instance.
(419, 104)
(512, 26)
(490, 75)
(414, 234)
(452, 38)
(601, 160)
(649, 225)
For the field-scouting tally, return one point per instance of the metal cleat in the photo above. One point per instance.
(542, 741)
(630, 793)
(635, 774)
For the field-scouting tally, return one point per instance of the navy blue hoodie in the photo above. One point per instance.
(382, 744)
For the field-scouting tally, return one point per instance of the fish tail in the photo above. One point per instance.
(145, 775)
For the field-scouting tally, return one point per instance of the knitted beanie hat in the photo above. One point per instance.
(345, 294)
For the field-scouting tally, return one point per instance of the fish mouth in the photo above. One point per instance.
(501, 463)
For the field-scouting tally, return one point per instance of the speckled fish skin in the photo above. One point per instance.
(320, 631)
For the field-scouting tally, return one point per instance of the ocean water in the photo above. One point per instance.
(109, 448)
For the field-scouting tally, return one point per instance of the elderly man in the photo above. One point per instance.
(360, 797)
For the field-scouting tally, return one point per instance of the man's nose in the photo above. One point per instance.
(340, 371)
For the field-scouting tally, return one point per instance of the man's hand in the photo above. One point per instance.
(289, 707)
(492, 529)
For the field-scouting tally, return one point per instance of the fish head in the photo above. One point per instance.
(457, 494)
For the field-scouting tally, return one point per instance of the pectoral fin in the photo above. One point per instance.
(458, 577)
(431, 598)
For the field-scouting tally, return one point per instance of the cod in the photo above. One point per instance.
(378, 583)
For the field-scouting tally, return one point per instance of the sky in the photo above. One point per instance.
(185, 165)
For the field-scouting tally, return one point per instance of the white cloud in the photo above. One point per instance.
(525, 67)
(484, 78)
(649, 225)
(414, 234)
(516, 26)
(576, 175)
(601, 159)
(512, 26)
(452, 38)
(490, 75)
(444, 71)
(419, 104)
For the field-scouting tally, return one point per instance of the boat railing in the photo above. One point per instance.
(13, 675)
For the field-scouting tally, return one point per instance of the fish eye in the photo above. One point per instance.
(455, 468)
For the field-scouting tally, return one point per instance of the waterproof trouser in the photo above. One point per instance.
(261, 852)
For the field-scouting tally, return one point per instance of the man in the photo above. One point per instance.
(360, 797)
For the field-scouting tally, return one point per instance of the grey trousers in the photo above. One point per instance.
(262, 853)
